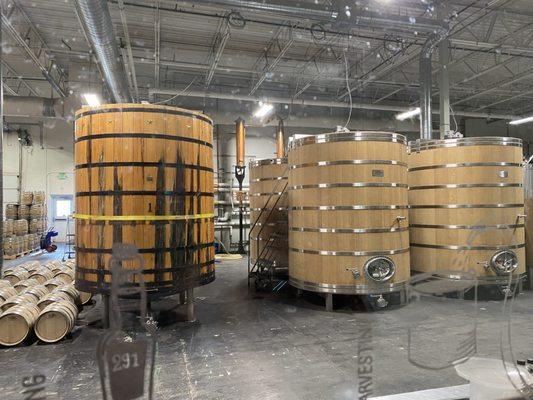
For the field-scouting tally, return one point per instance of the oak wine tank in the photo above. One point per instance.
(144, 176)
(348, 227)
(466, 201)
(268, 212)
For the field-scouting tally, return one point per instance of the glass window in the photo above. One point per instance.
(62, 207)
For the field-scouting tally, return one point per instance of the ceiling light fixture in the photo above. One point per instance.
(408, 114)
(521, 121)
(263, 110)
(92, 99)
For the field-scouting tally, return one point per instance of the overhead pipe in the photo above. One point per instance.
(316, 103)
(280, 140)
(240, 170)
(426, 131)
(96, 21)
(365, 18)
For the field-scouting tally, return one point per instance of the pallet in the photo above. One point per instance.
(19, 255)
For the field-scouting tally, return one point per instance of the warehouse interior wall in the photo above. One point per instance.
(48, 166)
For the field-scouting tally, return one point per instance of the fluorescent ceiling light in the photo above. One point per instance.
(92, 99)
(263, 110)
(521, 121)
(408, 114)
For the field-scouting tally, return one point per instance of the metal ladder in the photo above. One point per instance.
(70, 241)
(263, 270)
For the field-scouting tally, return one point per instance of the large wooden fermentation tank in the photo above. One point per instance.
(268, 212)
(528, 194)
(348, 227)
(466, 202)
(144, 176)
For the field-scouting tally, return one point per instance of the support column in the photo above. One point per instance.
(444, 76)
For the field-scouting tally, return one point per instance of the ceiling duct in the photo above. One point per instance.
(96, 22)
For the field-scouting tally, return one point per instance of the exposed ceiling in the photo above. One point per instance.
(194, 45)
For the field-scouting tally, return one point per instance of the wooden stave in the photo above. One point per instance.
(357, 158)
(490, 220)
(90, 281)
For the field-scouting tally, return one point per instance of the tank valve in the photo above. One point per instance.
(356, 274)
(400, 218)
(506, 290)
(381, 302)
(522, 216)
(485, 264)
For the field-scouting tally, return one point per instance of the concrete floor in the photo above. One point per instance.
(277, 346)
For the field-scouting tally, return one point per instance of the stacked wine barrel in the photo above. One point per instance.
(38, 299)
(24, 224)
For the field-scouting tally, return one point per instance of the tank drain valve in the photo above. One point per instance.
(381, 302)
(356, 274)
(400, 218)
(522, 216)
(485, 264)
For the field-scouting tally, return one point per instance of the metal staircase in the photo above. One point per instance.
(264, 270)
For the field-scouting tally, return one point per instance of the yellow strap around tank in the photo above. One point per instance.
(142, 217)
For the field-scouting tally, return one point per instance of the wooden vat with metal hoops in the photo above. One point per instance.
(348, 228)
(466, 201)
(144, 176)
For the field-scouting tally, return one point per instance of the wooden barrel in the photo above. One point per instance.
(12, 211)
(53, 283)
(7, 292)
(56, 321)
(144, 176)
(25, 284)
(26, 198)
(31, 266)
(70, 290)
(4, 283)
(16, 323)
(85, 297)
(38, 291)
(348, 228)
(466, 201)
(268, 212)
(16, 275)
(42, 275)
(52, 298)
(65, 273)
(18, 300)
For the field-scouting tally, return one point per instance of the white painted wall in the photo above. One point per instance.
(42, 167)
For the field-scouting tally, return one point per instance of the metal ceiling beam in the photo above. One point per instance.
(13, 79)
(157, 42)
(315, 103)
(221, 39)
(131, 61)
(281, 42)
(30, 40)
(357, 18)
(517, 96)
(526, 74)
